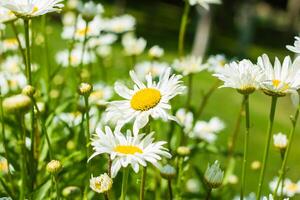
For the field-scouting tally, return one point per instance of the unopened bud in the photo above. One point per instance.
(168, 172)
(17, 103)
(29, 91)
(85, 89)
(183, 151)
(54, 166)
(71, 191)
(214, 175)
(101, 184)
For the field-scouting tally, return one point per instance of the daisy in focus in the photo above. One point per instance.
(32, 8)
(243, 76)
(207, 131)
(145, 100)
(280, 79)
(134, 150)
(189, 65)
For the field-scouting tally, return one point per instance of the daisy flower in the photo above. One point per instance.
(146, 67)
(243, 76)
(189, 65)
(133, 46)
(69, 18)
(156, 52)
(280, 140)
(89, 10)
(207, 130)
(134, 150)
(144, 101)
(100, 94)
(185, 119)
(11, 44)
(296, 47)
(204, 3)
(282, 78)
(120, 24)
(6, 15)
(62, 57)
(291, 188)
(72, 119)
(102, 40)
(92, 30)
(101, 184)
(215, 63)
(32, 8)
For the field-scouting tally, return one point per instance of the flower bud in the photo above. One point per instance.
(85, 89)
(89, 10)
(168, 172)
(71, 191)
(28, 90)
(255, 165)
(183, 151)
(156, 52)
(280, 141)
(101, 184)
(214, 175)
(17, 103)
(54, 166)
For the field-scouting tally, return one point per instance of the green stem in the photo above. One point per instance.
(23, 159)
(189, 94)
(56, 187)
(44, 129)
(28, 60)
(287, 152)
(208, 195)
(124, 183)
(246, 144)
(143, 182)
(170, 189)
(179, 178)
(84, 44)
(48, 65)
(267, 147)
(182, 31)
(14, 28)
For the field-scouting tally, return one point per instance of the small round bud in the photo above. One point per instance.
(280, 141)
(85, 89)
(156, 52)
(255, 165)
(17, 103)
(233, 179)
(71, 191)
(101, 184)
(183, 151)
(168, 172)
(29, 90)
(214, 175)
(89, 10)
(54, 166)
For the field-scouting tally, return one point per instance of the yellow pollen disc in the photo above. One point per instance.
(98, 185)
(97, 94)
(292, 187)
(276, 82)
(3, 166)
(128, 149)
(35, 8)
(82, 31)
(11, 41)
(145, 99)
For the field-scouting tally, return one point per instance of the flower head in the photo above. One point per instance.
(6, 15)
(120, 24)
(243, 76)
(125, 150)
(207, 130)
(189, 65)
(155, 68)
(156, 52)
(204, 3)
(89, 10)
(280, 141)
(280, 79)
(54, 166)
(214, 175)
(145, 100)
(215, 63)
(32, 8)
(17, 103)
(185, 119)
(101, 184)
(133, 46)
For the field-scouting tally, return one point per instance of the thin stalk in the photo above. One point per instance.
(190, 88)
(28, 59)
(179, 178)
(48, 65)
(84, 44)
(14, 28)
(4, 141)
(44, 129)
(170, 189)
(56, 187)
(246, 144)
(206, 97)
(143, 182)
(182, 31)
(208, 195)
(287, 152)
(124, 183)
(23, 159)
(267, 147)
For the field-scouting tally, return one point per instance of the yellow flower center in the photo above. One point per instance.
(292, 187)
(3, 166)
(128, 149)
(74, 59)
(276, 82)
(145, 99)
(97, 94)
(35, 8)
(11, 41)
(81, 32)
(98, 184)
